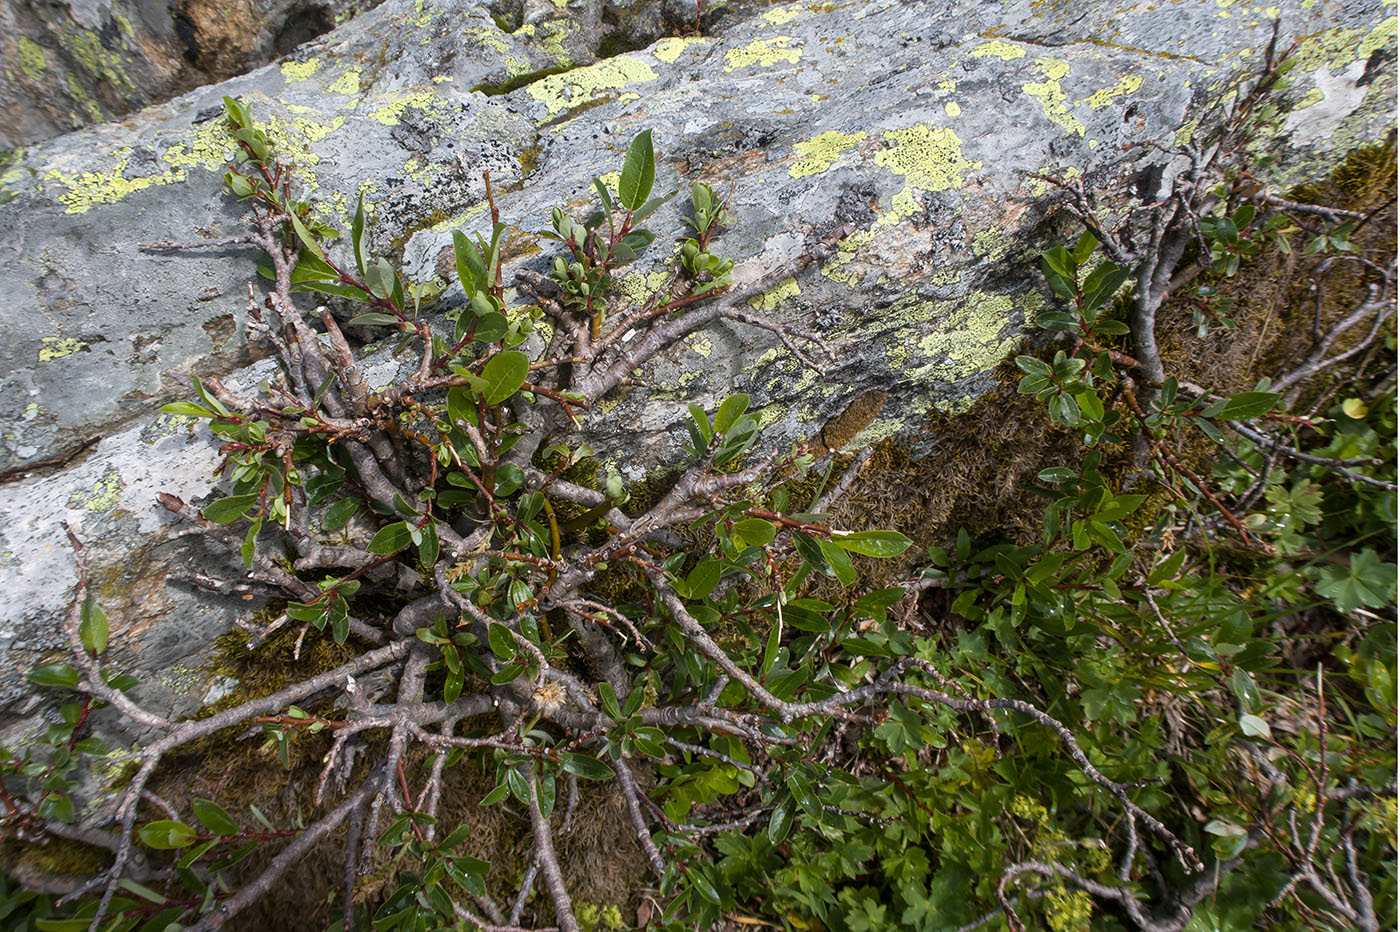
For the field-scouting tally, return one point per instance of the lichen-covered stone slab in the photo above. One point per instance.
(918, 127)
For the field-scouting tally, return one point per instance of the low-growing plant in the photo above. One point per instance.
(428, 523)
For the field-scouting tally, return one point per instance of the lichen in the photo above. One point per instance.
(294, 72)
(571, 88)
(58, 347)
(105, 494)
(929, 158)
(764, 52)
(392, 112)
(952, 109)
(1100, 99)
(348, 83)
(783, 14)
(770, 299)
(999, 48)
(32, 60)
(668, 50)
(819, 152)
(1052, 96)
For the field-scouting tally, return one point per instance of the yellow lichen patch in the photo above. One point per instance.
(638, 287)
(770, 299)
(701, 345)
(58, 347)
(930, 158)
(999, 48)
(348, 83)
(88, 188)
(1052, 96)
(1183, 135)
(1100, 99)
(105, 495)
(668, 50)
(452, 223)
(783, 14)
(32, 60)
(558, 92)
(297, 71)
(952, 109)
(835, 267)
(902, 206)
(765, 52)
(493, 38)
(390, 113)
(968, 339)
(821, 150)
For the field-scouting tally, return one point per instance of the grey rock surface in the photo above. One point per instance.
(918, 126)
(68, 65)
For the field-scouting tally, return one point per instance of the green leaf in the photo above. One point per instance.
(339, 514)
(729, 411)
(428, 546)
(638, 172)
(230, 509)
(1243, 406)
(305, 236)
(702, 580)
(391, 539)
(167, 835)
(781, 821)
(357, 233)
(92, 629)
(501, 640)
(215, 818)
(187, 409)
(503, 376)
(372, 319)
(585, 766)
(872, 543)
(1254, 726)
(839, 562)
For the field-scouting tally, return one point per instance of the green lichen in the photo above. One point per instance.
(392, 112)
(819, 152)
(105, 494)
(764, 52)
(82, 98)
(770, 299)
(32, 60)
(294, 72)
(559, 92)
(348, 83)
(1183, 135)
(835, 268)
(999, 48)
(1052, 96)
(952, 109)
(953, 340)
(929, 158)
(783, 14)
(1100, 99)
(58, 347)
(668, 50)
(207, 146)
(86, 48)
(702, 345)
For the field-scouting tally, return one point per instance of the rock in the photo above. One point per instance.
(73, 64)
(919, 126)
